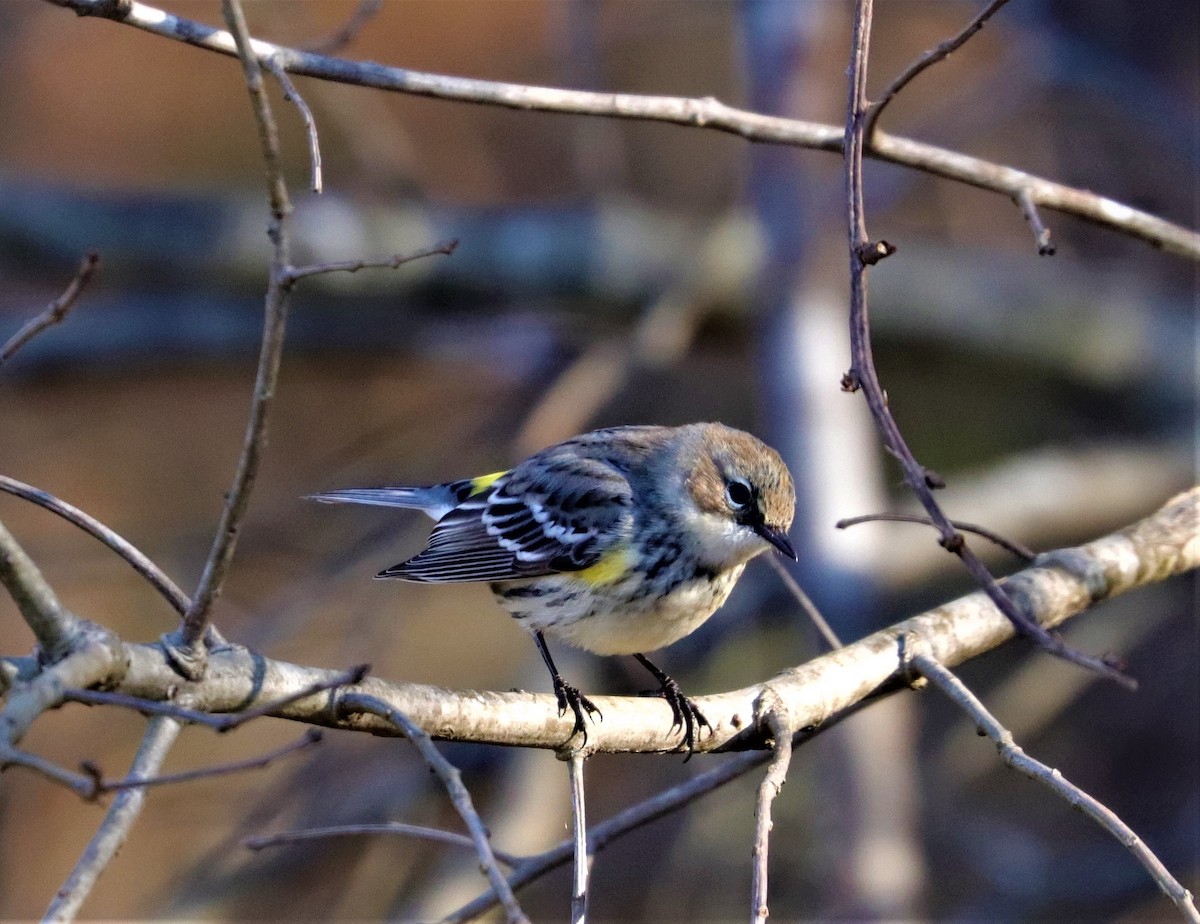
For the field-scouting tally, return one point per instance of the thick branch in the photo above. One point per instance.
(699, 113)
(1162, 545)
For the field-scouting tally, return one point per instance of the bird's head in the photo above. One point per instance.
(743, 495)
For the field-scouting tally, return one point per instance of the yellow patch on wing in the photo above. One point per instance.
(611, 567)
(483, 482)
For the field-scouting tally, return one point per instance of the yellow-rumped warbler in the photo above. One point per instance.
(619, 541)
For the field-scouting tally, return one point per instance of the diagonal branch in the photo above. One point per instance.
(1018, 760)
(1056, 588)
(127, 806)
(53, 625)
(931, 57)
(93, 527)
(705, 113)
(458, 793)
(56, 311)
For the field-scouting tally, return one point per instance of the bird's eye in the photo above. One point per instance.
(739, 494)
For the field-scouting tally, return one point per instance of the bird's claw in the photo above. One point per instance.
(570, 697)
(687, 715)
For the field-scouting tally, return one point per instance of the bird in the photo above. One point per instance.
(619, 541)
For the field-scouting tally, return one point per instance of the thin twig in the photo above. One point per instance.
(863, 375)
(1017, 759)
(53, 625)
(93, 527)
(705, 113)
(295, 273)
(579, 838)
(56, 311)
(810, 609)
(216, 568)
(643, 813)
(928, 59)
(362, 15)
(259, 842)
(81, 785)
(133, 781)
(459, 796)
(1041, 234)
(1022, 552)
(221, 722)
(292, 95)
(160, 735)
(775, 716)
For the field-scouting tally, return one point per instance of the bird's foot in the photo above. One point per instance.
(688, 717)
(570, 697)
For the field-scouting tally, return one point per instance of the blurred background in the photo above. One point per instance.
(608, 272)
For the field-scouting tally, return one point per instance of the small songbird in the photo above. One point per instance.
(620, 541)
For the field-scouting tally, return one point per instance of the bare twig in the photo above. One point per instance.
(582, 857)
(260, 842)
(706, 113)
(775, 716)
(864, 253)
(133, 781)
(806, 603)
(292, 95)
(56, 311)
(1017, 759)
(54, 627)
(160, 735)
(1022, 552)
(928, 59)
(81, 785)
(363, 14)
(93, 527)
(222, 722)
(188, 657)
(296, 273)
(452, 780)
(1041, 234)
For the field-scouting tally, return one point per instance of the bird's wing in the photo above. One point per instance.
(560, 514)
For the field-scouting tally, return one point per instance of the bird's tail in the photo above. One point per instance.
(436, 500)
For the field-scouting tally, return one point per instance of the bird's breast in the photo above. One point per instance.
(631, 615)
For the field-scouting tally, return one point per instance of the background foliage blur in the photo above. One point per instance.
(608, 273)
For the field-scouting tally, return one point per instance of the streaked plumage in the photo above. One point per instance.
(619, 541)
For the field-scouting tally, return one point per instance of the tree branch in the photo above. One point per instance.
(1056, 588)
(776, 719)
(706, 113)
(56, 311)
(582, 856)
(54, 627)
(1018, 760)
(931, 57)
(459, 797)
(864, 253)
(93, 527)
(189, 658)
(127, 806)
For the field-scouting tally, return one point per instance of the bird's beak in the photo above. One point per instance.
(777, 538)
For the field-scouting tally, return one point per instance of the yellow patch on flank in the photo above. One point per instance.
(611, 567)
(483, 482)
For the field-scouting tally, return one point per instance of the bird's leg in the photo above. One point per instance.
(687, 716)
(566, 694)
